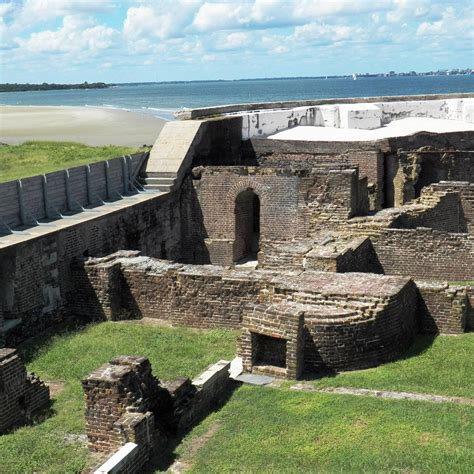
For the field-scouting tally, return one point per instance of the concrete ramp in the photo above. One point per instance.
(171, 154)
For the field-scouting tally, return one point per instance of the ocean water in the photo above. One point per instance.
(163, 99)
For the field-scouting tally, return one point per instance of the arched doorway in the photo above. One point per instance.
(247, 226)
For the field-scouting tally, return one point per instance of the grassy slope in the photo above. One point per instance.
(71, 356)
(275, 430)
(33, 158)
(264, 429)
(443, 365)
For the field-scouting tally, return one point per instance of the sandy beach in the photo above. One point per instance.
(88, 125)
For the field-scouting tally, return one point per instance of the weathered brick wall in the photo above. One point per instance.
(363, 319)
(426, 254)
(21, 393)
(443, 309)
(443, 213)
(271, 339)
(328, 255)
(293, 203)
(346, 340)
(36, 278)
(114, 390)
(466, 199)
(290, 154)
(125, 403)
(408, 172)
(200, 299)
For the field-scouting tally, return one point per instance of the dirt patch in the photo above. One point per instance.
(194, 446)
(55, 388)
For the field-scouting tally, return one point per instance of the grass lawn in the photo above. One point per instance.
(278, 430)
(275, 430)
(50, 445)
(442, 365)
(33, 158)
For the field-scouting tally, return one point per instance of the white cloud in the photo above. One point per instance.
(232, 41)
(47, 9)
(318, 31)
(77, 33)
(452, 23)
(159, 20)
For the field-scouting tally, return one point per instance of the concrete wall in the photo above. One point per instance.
(261, 120)
(263, 123)
(44, 197)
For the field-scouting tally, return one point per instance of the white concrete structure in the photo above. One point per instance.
(365, 116)
(397, 128)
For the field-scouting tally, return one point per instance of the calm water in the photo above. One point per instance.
(162, 99)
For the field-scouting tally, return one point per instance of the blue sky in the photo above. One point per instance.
(160, 40)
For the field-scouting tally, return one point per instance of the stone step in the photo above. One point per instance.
(160, 181)
(165, 188)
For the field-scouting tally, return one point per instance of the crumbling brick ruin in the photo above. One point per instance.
(127, 405)
(350, 248)
(22, 394)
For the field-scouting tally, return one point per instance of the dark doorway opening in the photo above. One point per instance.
(269, 351)
(247, 226)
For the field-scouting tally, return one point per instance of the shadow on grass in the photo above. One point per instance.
(420, 345)
(165, 453)
(29, 348)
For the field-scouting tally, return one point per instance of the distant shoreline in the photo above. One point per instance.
(15, 87)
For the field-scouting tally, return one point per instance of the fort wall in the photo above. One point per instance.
(209, 297)
(35, 273)
(47, 196)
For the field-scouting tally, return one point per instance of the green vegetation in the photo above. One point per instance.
(264, 429)
(52, 445)
(443, 365)
(33, 158)
(279, 430)
(275, 430)
(47, 87)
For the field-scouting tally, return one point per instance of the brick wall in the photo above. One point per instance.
(426, 254)
(361, 319)
(293, 203)
(36, 278)
(444, 308)
(125, 403)
(21, 394)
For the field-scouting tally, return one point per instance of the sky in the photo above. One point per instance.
(71, 41)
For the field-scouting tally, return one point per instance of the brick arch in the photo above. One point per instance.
(244, 184)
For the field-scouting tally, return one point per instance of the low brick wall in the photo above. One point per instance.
(21, 394)
(444, 309)
(366, 319)
(130, 413)
(426, 254)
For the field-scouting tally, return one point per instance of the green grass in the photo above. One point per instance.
(264, 429)
(34, 157)
(275, 430)
(443, 365)
(70, 356)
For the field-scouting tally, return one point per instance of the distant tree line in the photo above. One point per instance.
(47, 87)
